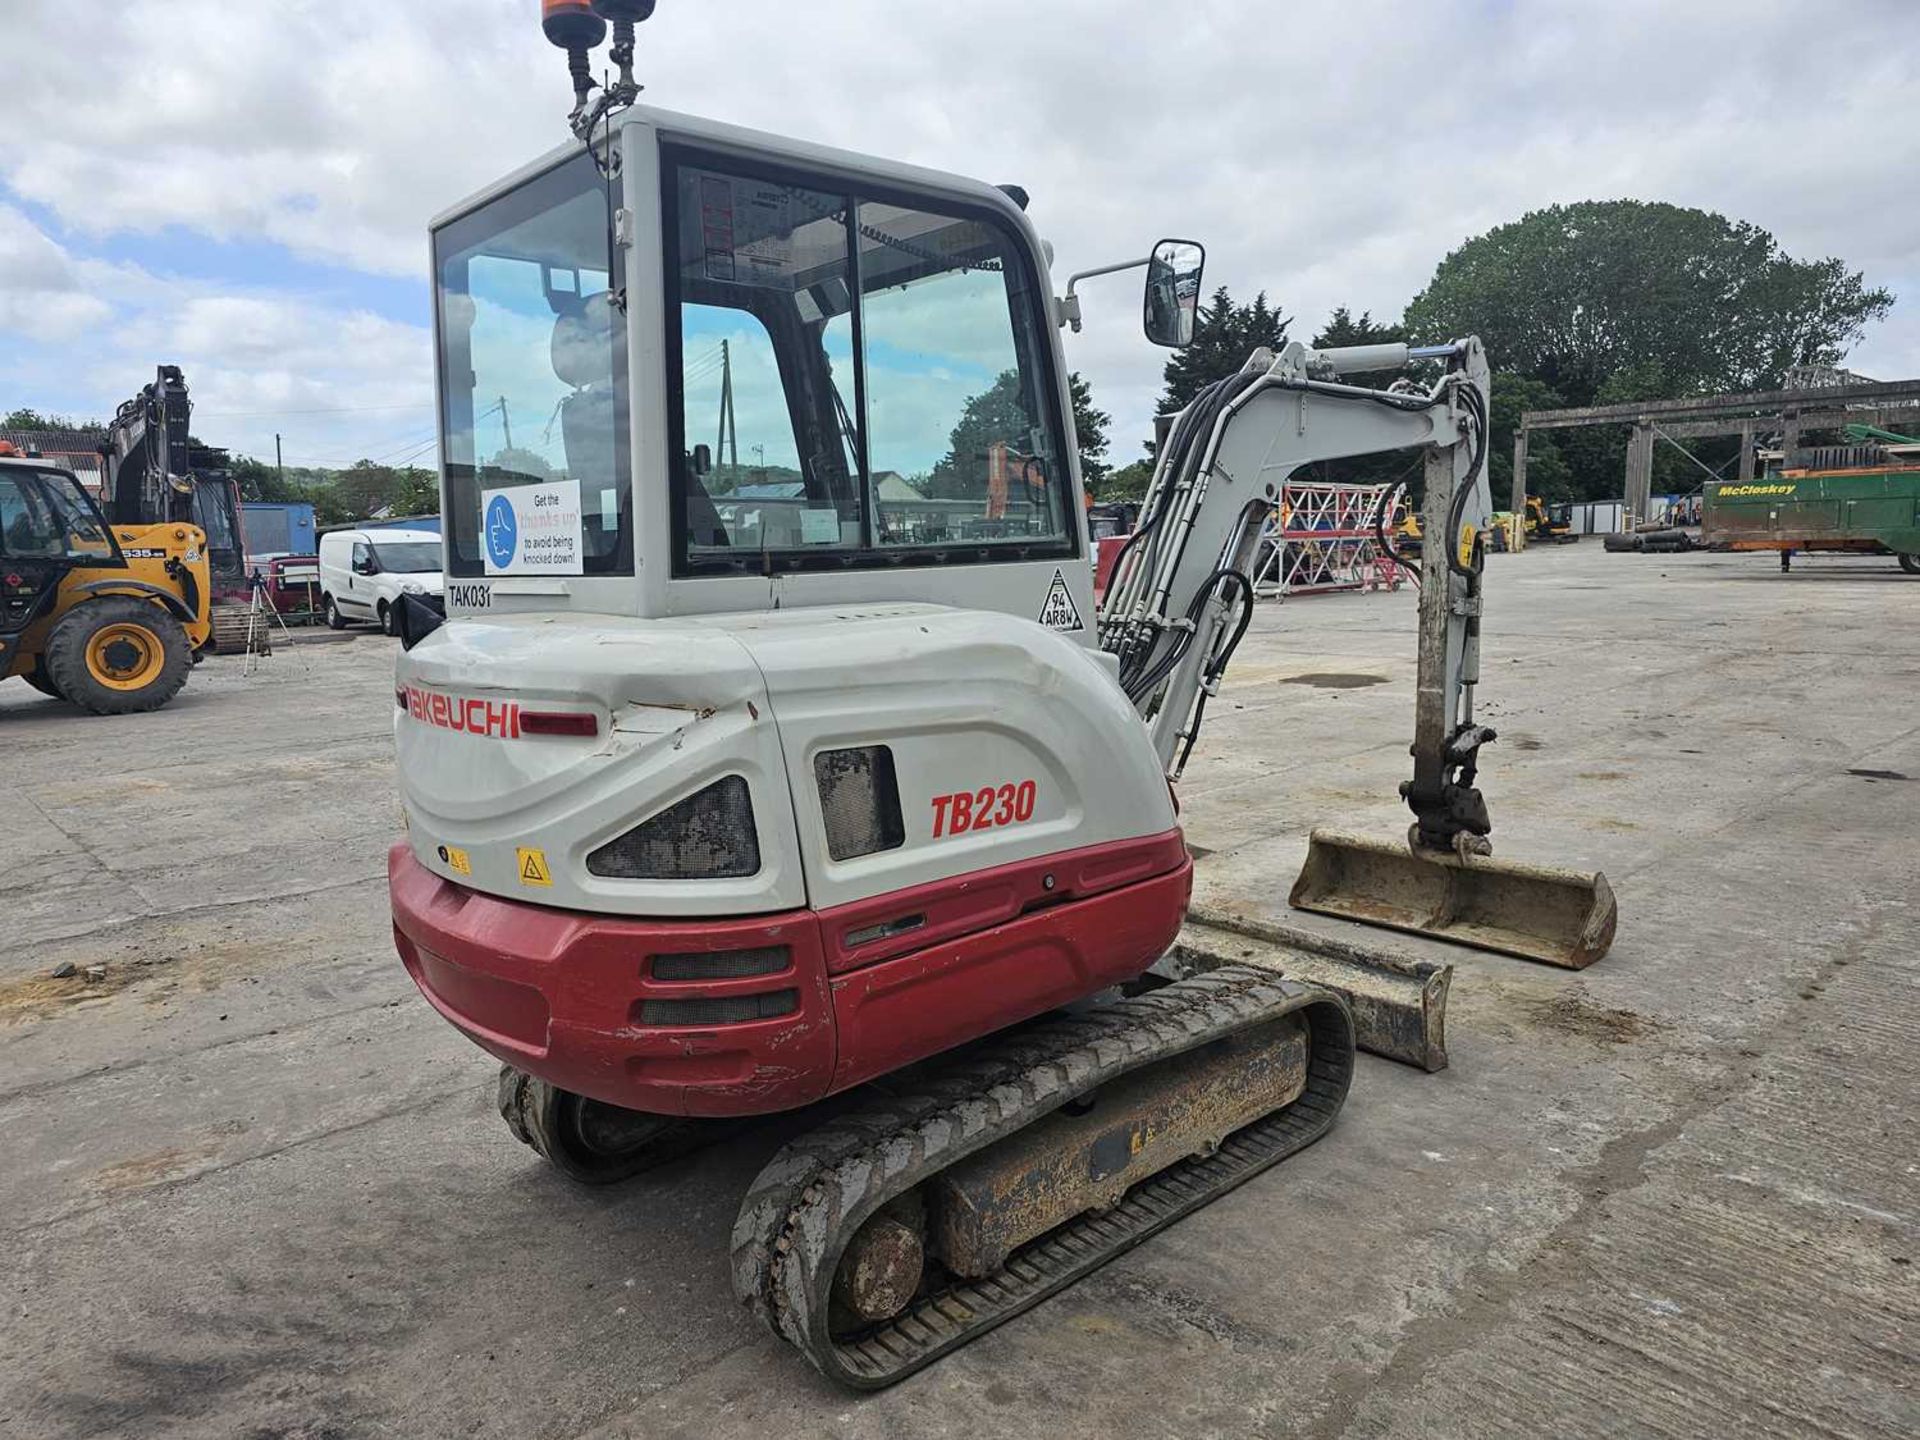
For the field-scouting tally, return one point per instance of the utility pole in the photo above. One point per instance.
(727, 430)
(279, 470)
(506, 424)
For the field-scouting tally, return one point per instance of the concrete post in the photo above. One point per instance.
(1520, 489)
(1746, 452)
(1638, 488)
(1789, 437)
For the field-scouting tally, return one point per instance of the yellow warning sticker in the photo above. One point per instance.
(456, 859)
(1467, 536)
(533, 866)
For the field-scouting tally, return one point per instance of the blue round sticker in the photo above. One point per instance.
(503, 532)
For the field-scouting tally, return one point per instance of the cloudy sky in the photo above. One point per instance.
(243, 189)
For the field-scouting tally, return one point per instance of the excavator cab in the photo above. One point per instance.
(106, 619)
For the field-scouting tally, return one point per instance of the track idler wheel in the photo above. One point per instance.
(588, 1140)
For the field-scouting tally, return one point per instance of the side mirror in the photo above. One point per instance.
(1172, 304)
(702, 459)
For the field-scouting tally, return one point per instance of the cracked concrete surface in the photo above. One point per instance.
(255, 1187)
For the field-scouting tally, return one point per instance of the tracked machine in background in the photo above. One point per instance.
(717, 808)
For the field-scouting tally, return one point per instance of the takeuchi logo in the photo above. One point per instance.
(1756, 490)
(498, 718)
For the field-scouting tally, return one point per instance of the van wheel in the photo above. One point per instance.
(1910, 564)
(117, 656)
(389, 625)
(335, 620)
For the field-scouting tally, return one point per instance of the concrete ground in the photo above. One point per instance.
(255, 1187)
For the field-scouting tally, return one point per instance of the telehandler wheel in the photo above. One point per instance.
(41, 680)
(1910, 564)
(117, 655)
(589, 1141)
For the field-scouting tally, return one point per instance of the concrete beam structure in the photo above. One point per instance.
(1709, 407)
(1886, 404)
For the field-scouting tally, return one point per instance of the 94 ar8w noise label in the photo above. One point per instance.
(987, 808)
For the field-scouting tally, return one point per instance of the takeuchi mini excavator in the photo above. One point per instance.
(729, 789)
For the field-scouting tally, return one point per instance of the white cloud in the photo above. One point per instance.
(254, 359)
(1327, 152)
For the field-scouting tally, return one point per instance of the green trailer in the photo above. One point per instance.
(1857, 499)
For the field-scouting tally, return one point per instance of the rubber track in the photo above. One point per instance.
(815, 1194)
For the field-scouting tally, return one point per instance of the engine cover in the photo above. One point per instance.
(880, 747)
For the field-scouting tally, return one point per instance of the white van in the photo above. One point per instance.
(363, 574)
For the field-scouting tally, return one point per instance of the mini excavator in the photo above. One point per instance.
(726, 796)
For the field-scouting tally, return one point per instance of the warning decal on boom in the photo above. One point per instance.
(1059, 612)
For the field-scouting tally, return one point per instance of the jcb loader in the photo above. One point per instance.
(108, 618)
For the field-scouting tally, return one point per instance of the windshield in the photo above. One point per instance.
(44, 515)
(408, 557)
(533, 384)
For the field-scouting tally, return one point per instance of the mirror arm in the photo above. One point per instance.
(1068, 309)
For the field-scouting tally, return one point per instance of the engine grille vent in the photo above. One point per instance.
(722, 964)
(859, 800)
(707, 836)
(727, 1010)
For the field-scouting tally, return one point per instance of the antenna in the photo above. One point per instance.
(576, 29)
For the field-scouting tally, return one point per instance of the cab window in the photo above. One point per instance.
(44, 516)
(533, 369)
(860, 381)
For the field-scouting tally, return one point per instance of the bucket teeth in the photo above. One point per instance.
(1538, 912)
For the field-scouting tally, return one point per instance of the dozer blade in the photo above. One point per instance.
(1538, 912)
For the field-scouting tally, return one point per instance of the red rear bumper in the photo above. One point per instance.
(865, 988)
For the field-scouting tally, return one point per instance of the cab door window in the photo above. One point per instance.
(958, 443)
(768, 450)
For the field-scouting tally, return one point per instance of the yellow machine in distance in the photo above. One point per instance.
(109, 619)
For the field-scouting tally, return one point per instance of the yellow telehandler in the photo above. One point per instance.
(108, 618)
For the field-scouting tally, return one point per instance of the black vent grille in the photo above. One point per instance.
(723, 964)
(859, 800)
(727, 1010)
(707, 836)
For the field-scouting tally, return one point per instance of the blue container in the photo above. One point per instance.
(278, 529)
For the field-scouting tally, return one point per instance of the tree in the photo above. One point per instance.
(25, 417)
(1129, 482)
(1225, 335)
(260, 481)
(1342, 329)
(998, 414)
(1548, 474)
(1688, 301)
(364, 488)
(1090, 431)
